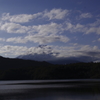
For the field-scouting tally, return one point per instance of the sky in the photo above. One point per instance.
(59, 29)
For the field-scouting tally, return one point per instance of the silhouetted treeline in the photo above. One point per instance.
(17, 69)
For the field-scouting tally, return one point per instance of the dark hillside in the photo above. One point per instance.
(17, 69)
(7, 63)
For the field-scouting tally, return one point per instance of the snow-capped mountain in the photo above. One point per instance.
(46, 53)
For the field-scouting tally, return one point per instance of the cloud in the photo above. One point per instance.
(93, 27)
(46, 39)
(86, 29)
(23, 18)
(14, 28)
(40, 50)
(93, 30)
(88, 48)
(56, 14)
(75, 28)
(12, 23)
(51, 28)
(43, 51)
(42, 34)
(47, 33)
(77, 51)
(99, 39)
(50, 32)
(13, 50)
(2, 39)
(17, 18)
(40, 53)
(85, 15)
(80, 52)
(38, 39)
(16, 40)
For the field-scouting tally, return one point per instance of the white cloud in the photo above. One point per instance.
(52, 31)
(16, 40)
(54, 28)
(86, 48)
(98, 30)
(56, 14)
(10, 26)
(13, 50)
(51, 28)
(95, 30)
(75, 28)
(85, 15)
(14, 28)
(92, 52)
(78, 28)
(40, 50)
(78, 51)
(94, 27)
(95, 24)
(41, 34)
(21, 18)
(38, 39)
(99, 39)
(69, 26)
(46, 39)
(9, 50)
(86, 29)
(2, 39)
(91, 30)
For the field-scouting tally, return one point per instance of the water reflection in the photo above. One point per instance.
(23, 90)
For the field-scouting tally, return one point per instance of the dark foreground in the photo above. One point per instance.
(18, 69)
(50, 90)
(42, 71)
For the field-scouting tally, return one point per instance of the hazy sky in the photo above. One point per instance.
(65, 28)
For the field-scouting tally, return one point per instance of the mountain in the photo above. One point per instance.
(46, 53)
(48, 58)
(37, 57)
(96, 61)
(64, 61)
(18, 69)
(8, 63)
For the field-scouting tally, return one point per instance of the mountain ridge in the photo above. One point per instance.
(52, 61)
(19, 69)
(6, 63)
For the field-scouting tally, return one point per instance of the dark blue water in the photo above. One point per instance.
(50, 90)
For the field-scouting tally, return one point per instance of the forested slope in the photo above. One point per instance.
(16, 69)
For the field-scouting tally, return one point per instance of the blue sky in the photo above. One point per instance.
(65, 28)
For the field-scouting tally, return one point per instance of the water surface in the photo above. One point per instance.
(50, 90)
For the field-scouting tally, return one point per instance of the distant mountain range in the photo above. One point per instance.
(19, 69)
(44, 57)
(54, 60)
(50, 56)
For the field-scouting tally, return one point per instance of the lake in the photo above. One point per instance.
(80, 89)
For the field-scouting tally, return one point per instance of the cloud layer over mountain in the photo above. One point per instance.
(52, 33)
